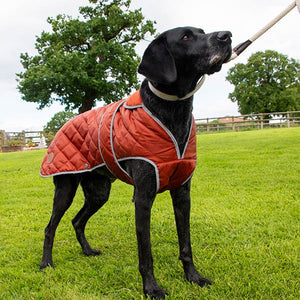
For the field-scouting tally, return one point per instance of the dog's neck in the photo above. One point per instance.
(175, 115)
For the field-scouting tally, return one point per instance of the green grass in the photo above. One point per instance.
(244, 225)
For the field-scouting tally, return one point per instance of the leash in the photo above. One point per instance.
(241, 47)
(235, 53)
(168, 97)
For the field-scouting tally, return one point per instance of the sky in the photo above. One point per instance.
(22, 20)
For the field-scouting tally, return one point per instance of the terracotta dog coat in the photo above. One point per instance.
(120, 131)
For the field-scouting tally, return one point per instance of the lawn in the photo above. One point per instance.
(245, 228)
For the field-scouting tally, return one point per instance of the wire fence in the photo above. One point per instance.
(248, 122)
(207, 125)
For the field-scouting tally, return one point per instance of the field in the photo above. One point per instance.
(245, 228)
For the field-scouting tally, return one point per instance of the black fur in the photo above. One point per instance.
(173, 63)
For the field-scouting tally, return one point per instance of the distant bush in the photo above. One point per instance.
(56, 122)
(15, 142)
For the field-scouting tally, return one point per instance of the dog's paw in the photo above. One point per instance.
(45, 264)
(195, 277)
(155, 292)
(91, 252)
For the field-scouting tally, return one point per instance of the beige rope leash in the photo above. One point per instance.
(241, 47)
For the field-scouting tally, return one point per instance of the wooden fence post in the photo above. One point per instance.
(207, 125)
(261, 121)
(288, 119)
(23, 136)
(2, 137)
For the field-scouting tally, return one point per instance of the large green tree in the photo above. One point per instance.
(268, 82)
(85, 59)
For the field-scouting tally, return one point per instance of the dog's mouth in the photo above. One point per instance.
(216, 61)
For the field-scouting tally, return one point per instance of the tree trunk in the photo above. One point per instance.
(88, 102)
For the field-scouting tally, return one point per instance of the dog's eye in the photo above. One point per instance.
(186, 37)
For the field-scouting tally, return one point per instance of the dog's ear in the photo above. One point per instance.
(158, 63)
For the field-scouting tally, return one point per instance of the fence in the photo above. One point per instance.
(249, 122)
(23, 136)
(15, 141)
(207, 125)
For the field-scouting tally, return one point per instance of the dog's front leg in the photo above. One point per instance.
(144, 178)
(182, 205)
(142, 219)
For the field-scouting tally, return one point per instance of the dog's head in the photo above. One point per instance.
(180, 56)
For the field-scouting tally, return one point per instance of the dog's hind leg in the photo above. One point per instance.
(96, 189)
(65, 189)
(182, 204)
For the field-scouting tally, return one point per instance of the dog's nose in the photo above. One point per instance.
(224, 36)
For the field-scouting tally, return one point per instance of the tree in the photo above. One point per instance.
(269, 82)
(85, 59)
(56, 122)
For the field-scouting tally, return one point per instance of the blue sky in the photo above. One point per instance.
(22, 20)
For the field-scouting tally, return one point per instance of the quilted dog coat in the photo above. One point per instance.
(120, 131)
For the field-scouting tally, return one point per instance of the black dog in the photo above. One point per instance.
(173, 64)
